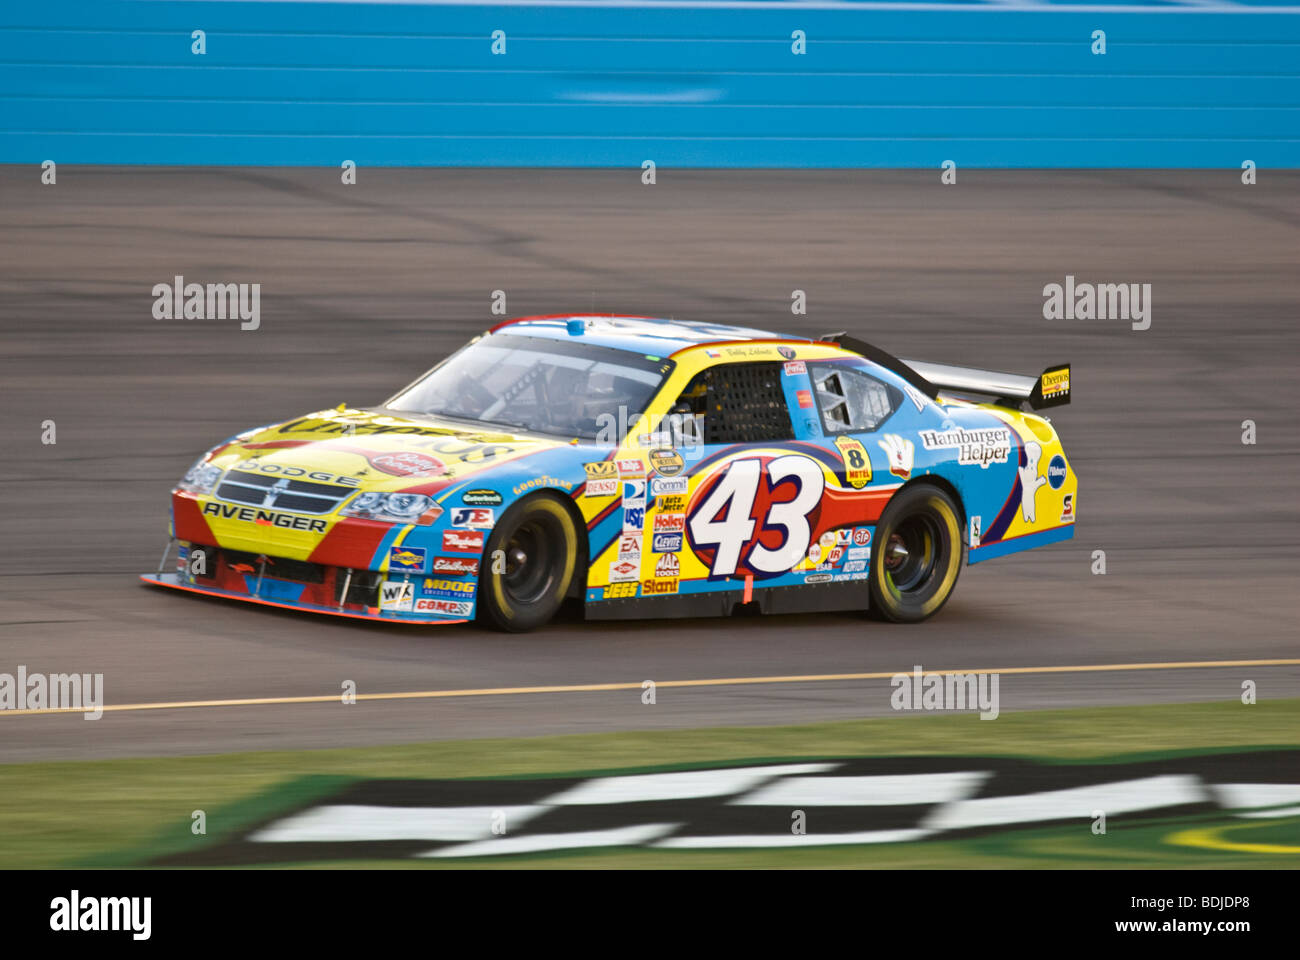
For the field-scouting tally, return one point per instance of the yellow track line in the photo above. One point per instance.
(636, 685)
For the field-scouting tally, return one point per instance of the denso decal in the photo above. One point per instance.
(267, 518)
(1056, 472)
(395, 595)
(604, 487)
(453, 608)
(407, 559)
(456, 566)
(981, 447)
(407, 464)
(667, 543)
(456, 542)
(280, 470)
(478, 518)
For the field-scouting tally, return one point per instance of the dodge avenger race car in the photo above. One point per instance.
(644, 467)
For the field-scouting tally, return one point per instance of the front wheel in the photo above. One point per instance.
(529, 564)
(916, 556)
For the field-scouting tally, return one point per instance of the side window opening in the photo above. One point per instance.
(738, 403)
(850, 400)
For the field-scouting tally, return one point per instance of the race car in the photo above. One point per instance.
(642, 467)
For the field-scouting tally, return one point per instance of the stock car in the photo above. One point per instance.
(643, 467)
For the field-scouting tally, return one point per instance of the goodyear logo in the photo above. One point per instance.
(857, 464)
(1056, 382)
(409, 559)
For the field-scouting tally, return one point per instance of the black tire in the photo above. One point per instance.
(911, 585)
(538, 560)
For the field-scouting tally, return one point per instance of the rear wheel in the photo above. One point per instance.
(916, 556)
(529, 564)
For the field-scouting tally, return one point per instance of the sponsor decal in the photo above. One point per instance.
(1056, 383)
(603, 487)
(670, 522)
(855, 566)
(622, 571)
(857, 464)
(545, 480)
(919, 399)
(835, 556)
(1030, 482)
(900, 453)
(840, 577)
(456, 589)
(668, 463)
(975, 524)
(634, 491)
(456, 566)
(652, 588)
(1067, 509)
(483, 498)
(267, 518)
(604, 470)
(629, 547)
(815, 553)
(804, 398)
(407, 464)
(478, 518)
(407, 559)
(630, 468)
(673, 503)
(455, 608)
(666, 486)
(827, 539)
(667, 543)
(795, 368)
(712, 354)
(861, 536)
(817, 578)
(980, 447)
(395, 595)
(620, 591)
(668, 566)
(859, 553)
(296, 473)
(1056, 472)
(843, 536)
(458, 542)
(787, 352)
(633, 518)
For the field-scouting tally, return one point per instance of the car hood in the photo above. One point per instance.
(376, 449)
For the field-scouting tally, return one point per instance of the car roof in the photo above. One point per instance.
(644, 335)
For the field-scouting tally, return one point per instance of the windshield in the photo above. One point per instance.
(530, 383)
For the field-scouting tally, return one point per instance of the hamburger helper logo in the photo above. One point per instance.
(973, 446)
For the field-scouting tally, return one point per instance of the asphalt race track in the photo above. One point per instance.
(365, 286)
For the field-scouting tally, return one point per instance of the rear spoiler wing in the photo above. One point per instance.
(1051, 388)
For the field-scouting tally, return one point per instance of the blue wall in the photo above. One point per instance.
(315, 84)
